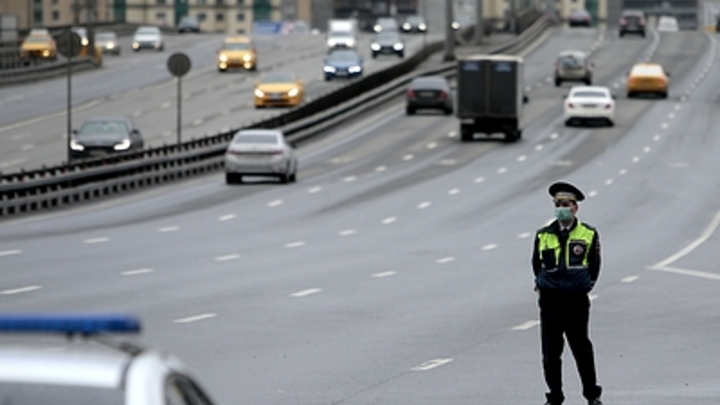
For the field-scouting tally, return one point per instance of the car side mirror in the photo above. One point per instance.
(135, 132)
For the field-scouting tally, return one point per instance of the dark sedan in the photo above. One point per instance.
(103, 136)
(389, 42)
(579, 18)
(429, 92)
(343, 63)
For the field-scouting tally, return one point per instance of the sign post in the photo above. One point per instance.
(179, 64)
(69, 45)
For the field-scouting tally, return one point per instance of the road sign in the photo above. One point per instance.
(69, 44)
(178, 64)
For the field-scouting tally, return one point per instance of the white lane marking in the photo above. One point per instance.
(165, 105)
(389, 220)
(27, 146)
(10, 252)
(656, 138)
(21, 290)
(96, 240)
(349, 179)
(678, 106)
(629, 279)
(448, 162)
(635, 159)
(348, 232)
(525, 235)
(198, 121)
(136, 272)
(409, 156)
(479, 180)
(227, 217)
(539, 147)
(647, 149)
(453, 191)
(195, 318)
(13, 162)
(46, 117)
(622, 172)
(489, 247)
(521, 158)
(305, 293)
(424, 205)
(294, 244)
(445, 260)
(432, 145)
(136, 113)
(169, 229)
(527, 325)
(314, 189)
(664, 125)
(380, 169)
(592, 193)
(227, 257)
(707, 233)
(502, 170)
(384, 274)
(593, 297)
(608, 182)
(275, 203)
(431, 364)
(554, 135)
(452, 134)
(671, 115)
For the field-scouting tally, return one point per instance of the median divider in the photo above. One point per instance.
(29, 191)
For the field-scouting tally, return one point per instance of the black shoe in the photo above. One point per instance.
(595, 401)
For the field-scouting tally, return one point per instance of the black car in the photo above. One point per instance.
(632, 22)
(343, 63)
(414, 23)
(429, 92)
(106, 135)
(389, 42)
(188, 24)
(579, 18)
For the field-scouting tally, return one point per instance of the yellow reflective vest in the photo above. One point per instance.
(566, 263)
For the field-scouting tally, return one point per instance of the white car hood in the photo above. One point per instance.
(147, 38)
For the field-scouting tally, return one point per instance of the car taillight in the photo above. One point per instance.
(443, 95)
(608, 106)
(411, 95)
(642, 21)
(571, 105)
(623, 21)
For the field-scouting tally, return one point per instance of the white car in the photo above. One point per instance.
(74, 360)
(668, 24)
(589, 103)
(148, 38)
(260, 152)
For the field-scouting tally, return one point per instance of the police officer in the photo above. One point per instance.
(566, 263)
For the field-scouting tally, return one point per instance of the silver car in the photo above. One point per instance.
(92, 369)
(573, 66)
(260, 152)
(148, 37)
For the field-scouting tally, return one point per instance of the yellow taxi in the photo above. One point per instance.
(648, 78)
(283, 89)
(237, 52)
(38, 46)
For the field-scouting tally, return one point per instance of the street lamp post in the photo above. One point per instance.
(449, 32)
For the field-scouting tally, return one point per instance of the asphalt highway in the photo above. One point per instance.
(397, 269)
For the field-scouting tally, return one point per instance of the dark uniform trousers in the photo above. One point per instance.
(566, 313)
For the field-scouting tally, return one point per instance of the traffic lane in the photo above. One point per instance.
(209, 103)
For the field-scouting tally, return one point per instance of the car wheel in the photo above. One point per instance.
(630, 94)
(374, 55)
(293, 177)
(221, 70)
(284, 178)
(401, 55)
(448, 111)
(621, 34)
(327, 78)
(663, 94)
(230, 178)
(610, 123)
(466, 135)
(588, 81)
(410, 111)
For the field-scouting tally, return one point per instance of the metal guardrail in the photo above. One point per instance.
(64, 185)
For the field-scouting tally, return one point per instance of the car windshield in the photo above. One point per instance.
(37, 40)
(414, 20)
(236, 46)
(387, 37)
(47, 394)
(188, 20)
(111, 128)
(429, 82)
(343, 56)
(148, 31)
(105, 37)
(278, 77)
(590, 94)
(572, 61)
(255, 138)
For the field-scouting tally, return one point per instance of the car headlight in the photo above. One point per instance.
(350, 43)
(259, 93)
(294, 92)
(455, 25)
(329, 69)
(84, 42)
(46, 53)
(355, 69)
(407, 26)
(247, 57)
(123, 145)
(331, 42)
(136, 45)
(398, 46)
(422, 27)
(222, 57)
(375, 46)
(74, 145)
(110, 45)
(377, 28)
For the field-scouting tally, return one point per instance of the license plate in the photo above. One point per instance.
(276, 96)
(341, 73)
(427, 94)
(589, 105)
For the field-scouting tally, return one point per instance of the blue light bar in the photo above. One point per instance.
(86, 324)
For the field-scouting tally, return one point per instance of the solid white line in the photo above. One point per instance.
(527, 325)
(593, 297)
(707, 233)
(429, 365)
(687, 272)
(136, 272)
(45, 117)
(305, 293)
(195, 318)
(10, 252)
(96, 240)
(384, 274)
(21, 290)
(11, 163)
(629, 279)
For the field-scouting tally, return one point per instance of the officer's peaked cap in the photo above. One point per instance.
(565, 191)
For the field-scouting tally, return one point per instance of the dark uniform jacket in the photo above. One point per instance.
(566, 261)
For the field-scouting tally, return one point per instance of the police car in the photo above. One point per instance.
(88, 367)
